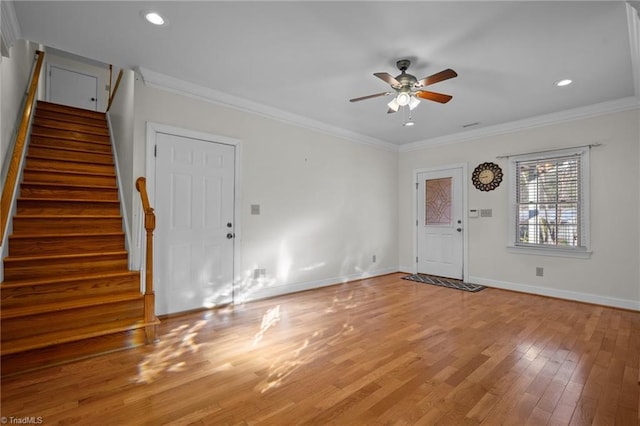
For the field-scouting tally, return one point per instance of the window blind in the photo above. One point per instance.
(548, 198)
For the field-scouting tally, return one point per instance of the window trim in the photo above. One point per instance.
(583, 251)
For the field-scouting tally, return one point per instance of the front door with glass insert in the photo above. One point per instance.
(440, 234)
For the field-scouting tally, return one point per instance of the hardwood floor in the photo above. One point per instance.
(377, 351)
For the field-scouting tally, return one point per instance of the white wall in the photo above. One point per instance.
(611, 276)
(327, 205)
(122, 123)
(15, 71)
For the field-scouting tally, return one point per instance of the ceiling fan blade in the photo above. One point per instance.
(391, 111)
(369, 97)
(388, 78)
(437, 77)
(434, 96)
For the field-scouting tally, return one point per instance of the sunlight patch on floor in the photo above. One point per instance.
(269, 319)
(167, 353)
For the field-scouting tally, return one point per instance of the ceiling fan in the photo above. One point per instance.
(407, 89)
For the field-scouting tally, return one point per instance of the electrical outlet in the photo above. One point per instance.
(539, 271)
(255, 209)
(259, 273)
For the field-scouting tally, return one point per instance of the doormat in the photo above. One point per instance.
(444, 282)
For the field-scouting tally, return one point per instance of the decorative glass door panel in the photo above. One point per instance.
(438, 201)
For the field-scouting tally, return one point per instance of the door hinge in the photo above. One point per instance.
(416, 222)
(155, 150)
(416, 259)
(417, 184)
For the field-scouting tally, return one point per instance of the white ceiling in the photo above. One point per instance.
(305, 60)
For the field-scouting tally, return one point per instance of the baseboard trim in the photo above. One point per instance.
(595, 299)
(257, 290)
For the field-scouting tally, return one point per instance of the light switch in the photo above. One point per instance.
(255, 209)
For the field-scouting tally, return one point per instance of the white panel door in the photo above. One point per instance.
(194, 196)
(72, 88)
(440, 210)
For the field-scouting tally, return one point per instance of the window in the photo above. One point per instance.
(549, 195)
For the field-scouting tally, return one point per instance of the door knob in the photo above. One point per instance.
(459, 229)
(93, 99)
(230, 235)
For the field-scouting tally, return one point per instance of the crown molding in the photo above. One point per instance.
(160, 81)
(163, 82)
(10, 28)
(608, 107)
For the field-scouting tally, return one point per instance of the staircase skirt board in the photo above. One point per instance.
(68, 292)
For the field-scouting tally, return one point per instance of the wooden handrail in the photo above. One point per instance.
(149, 295)
(18, 149)
(115, 89)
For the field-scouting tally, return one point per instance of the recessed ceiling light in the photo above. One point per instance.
(154, 18)
(562, 83)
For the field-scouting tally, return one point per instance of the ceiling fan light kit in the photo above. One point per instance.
(403, 98)
(407, 89)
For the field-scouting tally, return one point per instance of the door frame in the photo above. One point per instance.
(153, 129)
(47, 91)
(465, 216)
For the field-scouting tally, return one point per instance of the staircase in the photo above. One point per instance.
(67, 291)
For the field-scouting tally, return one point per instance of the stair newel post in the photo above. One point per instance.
(149, 294)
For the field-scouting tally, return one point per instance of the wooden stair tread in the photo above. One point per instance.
(68, 185)
(63, 160)
(57, 123)
(69, 172)
(70, 200)
(66, 336)
(39, 136)
(65, 235)
(11, 259)
(22, 311)
(50, 106)
(99, 122)
(71, 149)
(68, 216)
(61, 279)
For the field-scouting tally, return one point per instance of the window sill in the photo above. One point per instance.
(547, 251)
